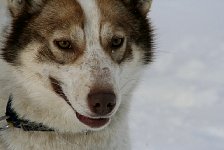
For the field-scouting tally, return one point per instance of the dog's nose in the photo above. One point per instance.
(102, 103)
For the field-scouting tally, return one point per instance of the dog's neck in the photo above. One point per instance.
(16, 121)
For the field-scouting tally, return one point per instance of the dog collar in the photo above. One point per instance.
(13, 120)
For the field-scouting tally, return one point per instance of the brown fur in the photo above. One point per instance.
(62, 15)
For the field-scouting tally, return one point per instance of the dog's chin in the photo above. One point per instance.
(93, 124)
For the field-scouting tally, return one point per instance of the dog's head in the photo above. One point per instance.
(77, 59)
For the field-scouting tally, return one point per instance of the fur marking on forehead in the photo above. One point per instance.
(92, 20)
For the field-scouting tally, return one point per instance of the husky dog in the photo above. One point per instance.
(68, 69)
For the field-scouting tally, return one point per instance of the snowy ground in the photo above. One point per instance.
(178, 105)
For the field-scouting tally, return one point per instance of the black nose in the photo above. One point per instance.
(102, 103)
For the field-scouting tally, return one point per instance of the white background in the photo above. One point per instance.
(179, 103)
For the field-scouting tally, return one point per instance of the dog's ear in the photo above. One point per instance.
(143, 6)
(18, 7)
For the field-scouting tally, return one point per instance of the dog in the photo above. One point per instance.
(68, 71)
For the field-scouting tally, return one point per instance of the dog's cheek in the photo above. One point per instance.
(131, 70)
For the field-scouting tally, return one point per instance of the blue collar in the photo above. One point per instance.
(13, 119)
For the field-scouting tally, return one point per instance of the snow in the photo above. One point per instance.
(178, 104)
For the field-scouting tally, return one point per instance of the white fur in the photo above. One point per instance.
(34, 99)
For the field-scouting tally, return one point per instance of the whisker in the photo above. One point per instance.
(127, 83)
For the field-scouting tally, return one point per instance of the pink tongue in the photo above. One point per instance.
(94, 123)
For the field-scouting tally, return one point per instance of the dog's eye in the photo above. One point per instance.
(117, 42)
(64, 45)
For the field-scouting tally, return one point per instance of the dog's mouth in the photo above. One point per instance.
(91, 122)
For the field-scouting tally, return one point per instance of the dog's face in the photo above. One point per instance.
(78, 58)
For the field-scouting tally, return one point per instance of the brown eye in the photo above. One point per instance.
(117, 42)
(64, 45)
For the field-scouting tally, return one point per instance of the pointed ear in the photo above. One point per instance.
(18, 7)
(143, 6)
